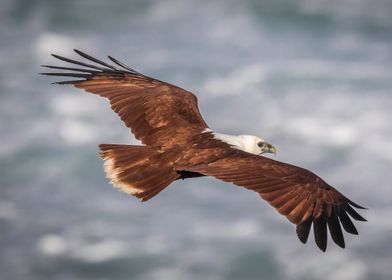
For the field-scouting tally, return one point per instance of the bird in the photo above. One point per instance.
(178, 144)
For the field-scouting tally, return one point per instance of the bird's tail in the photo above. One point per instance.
(137, 170)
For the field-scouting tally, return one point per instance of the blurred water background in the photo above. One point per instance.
(313, 77)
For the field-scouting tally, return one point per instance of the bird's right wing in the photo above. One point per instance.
(156, 112)
(296, 193)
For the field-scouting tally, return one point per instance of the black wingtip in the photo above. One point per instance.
(93, 59)
(71, 69)
(75, 75)
(347, 224)
(56, 56)
(332, 221)
(68, 60)
(303, 230)
(335, 229)
(320, 233)
(119, 63)
(355, 204)
(72, 82)
(354, 214)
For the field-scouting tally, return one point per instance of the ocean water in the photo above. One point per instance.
(313, 77)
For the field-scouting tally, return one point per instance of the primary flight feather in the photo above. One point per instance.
(178, 144)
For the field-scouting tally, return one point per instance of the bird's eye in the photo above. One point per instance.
(260, 144)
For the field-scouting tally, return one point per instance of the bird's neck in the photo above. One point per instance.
(241, 142)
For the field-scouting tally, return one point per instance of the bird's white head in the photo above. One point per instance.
(247, 143)
(255, 145)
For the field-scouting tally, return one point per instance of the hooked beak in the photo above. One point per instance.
(269, 149)
(272, 150)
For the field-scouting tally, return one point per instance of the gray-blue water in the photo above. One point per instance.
(313, 77)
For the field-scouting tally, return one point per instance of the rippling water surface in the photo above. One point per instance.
(313, 77)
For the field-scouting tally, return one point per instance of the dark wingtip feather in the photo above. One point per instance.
(347, 224)
(72, 82)
(89, 57)
(320, 233)
(354, 204)
(75, 75)
(303, 230)
(78, 62)
(71, 69)
(354, 214)
(85, 73)
(119, 63)
(335, 230)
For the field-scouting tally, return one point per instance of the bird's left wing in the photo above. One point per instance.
(157, 112)
(297, 193)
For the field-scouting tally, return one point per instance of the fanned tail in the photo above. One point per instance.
(137, 170)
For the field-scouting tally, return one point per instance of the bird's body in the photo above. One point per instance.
(178, 144)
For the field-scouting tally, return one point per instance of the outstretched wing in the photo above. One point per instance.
(154, 110)
(297, 193)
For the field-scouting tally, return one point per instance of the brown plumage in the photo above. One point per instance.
(179, 145)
